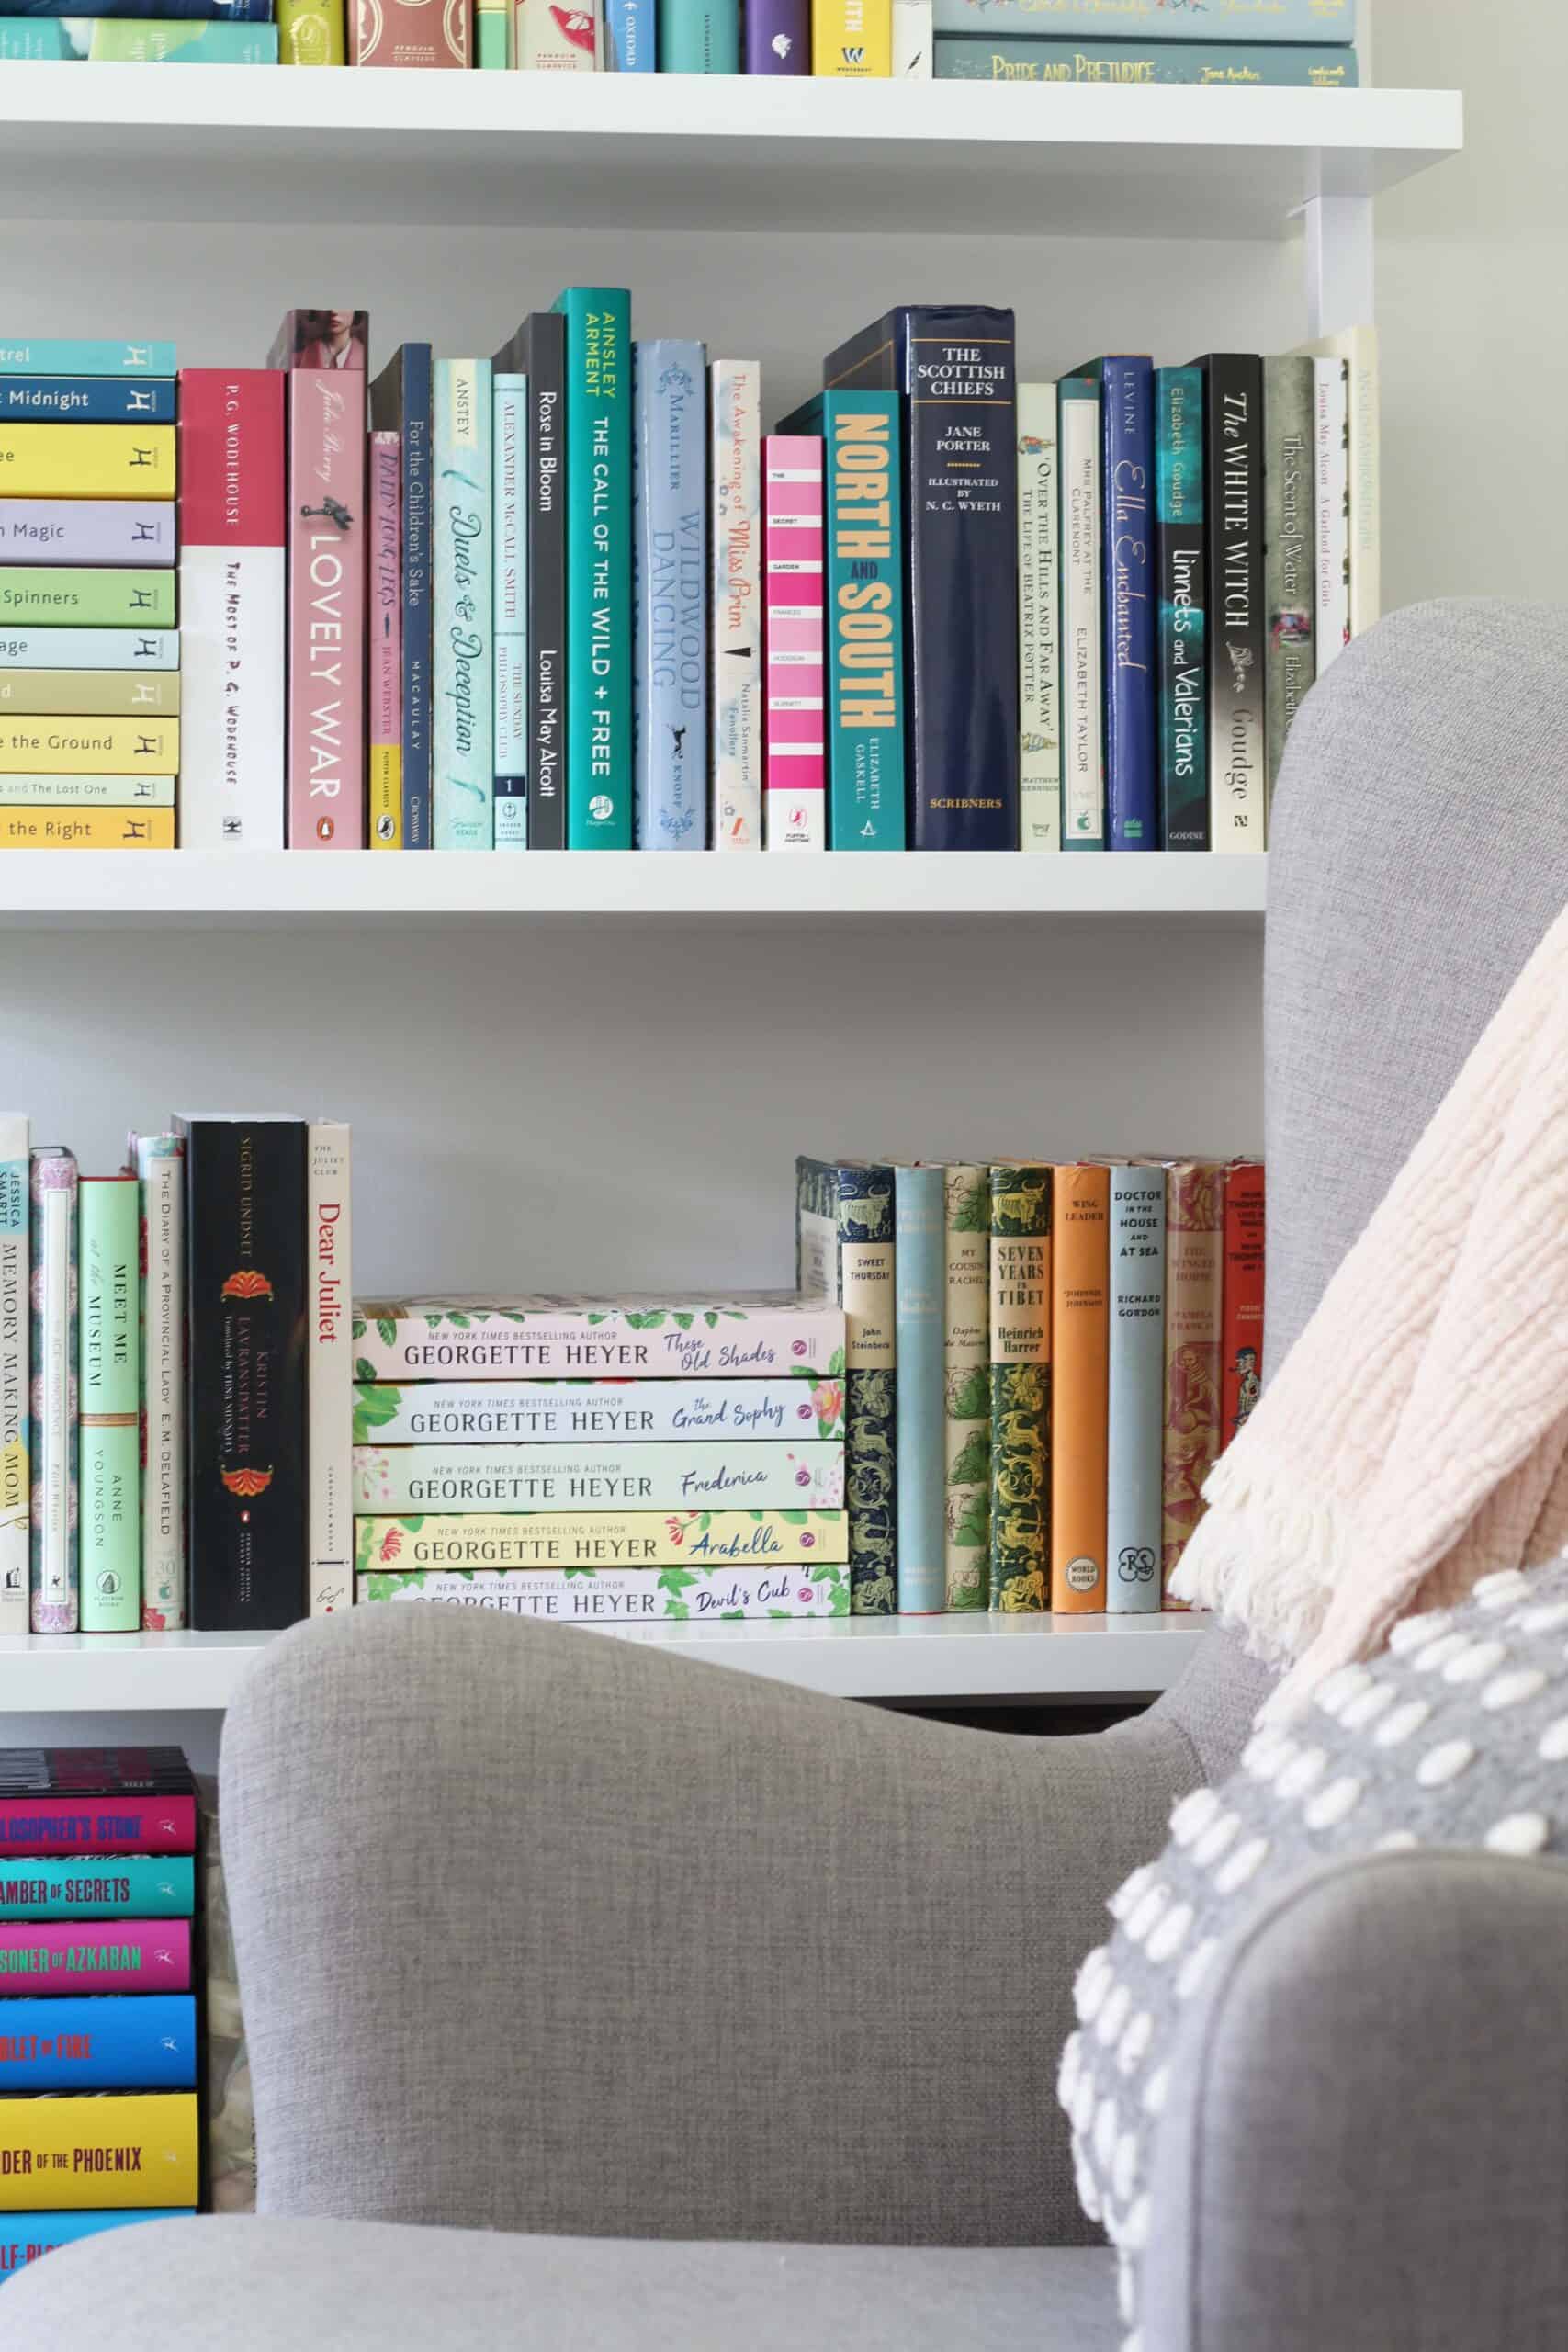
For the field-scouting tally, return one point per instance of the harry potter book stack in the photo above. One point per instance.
(603, 1461)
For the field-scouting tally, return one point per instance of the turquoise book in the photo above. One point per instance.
(109, 1383)
(70, 356)
(920, 1291)
(513, 711)
(600, 764)
(460, 539)
(699, 37)
(865, 614)
(128, 1886)
(1135, 1411)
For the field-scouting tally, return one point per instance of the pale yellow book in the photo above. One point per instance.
(87, 462)
(121, 692)
(89, 746)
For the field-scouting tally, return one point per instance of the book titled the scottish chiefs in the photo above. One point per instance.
(324, 355)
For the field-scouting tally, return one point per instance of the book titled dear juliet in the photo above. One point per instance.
(754, 1336)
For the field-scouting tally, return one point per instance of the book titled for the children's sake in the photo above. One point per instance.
(736, 392)
(795, 810)
(1079, 1336)
(109, 1397)
(669, 522)
(323, 354)
(806, 1475)
(790, 1411)
(1021, 1386)
(967, 1385)
(158, 1163)
(845, 1252)
(52, 1358)
(1135, 1380)
(688, 1591)
(98, 2151)
(461, 524)
(1192, 1300)
(329, 1363)
(14, 1482)
(603, 1539)
(599, 768)
(758, 1335)
(401, 402)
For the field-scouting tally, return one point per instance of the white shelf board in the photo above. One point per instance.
(900, 1658)
(132, 889)
(217, 142)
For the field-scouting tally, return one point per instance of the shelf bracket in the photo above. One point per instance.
(1339, 263)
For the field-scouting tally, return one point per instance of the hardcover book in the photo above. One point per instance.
(552, 38)
(1358, 348)
(99, 2150)
(1039, 604)
(16, 1497)
(245, 1290)
(513, 704)
(795, 765)
(134, 747)
(310, 32)
(141, 828)
(158, 1163)
(96, 1801)
(691, 1590)
(386, 603)
(1083, 707)
(1289, 517)
(967, 1385)
(607, 1538)
(89, 648)
(52, 1355)
(629, 36)
(135, 1887)
(852, 40)
(329, 1362)
(1232, 426)
(1080, 1282)
(759, 1335)
(426, 33)
(537, 351)
(911, 40)
(94, 1956)
(1331, 390)
(323, 354)
(432, 1413)
(66, 356)
(1154, 21)
(463, 760)
(778, 37)
(87, 400)
(61, 2042)
(151, 43)
(1020, 1387)
(954, 366)
(28, 2236)
(1135, 1415)
(86, 530)
(598, 470)
(669, 559)
(117, 694)
(1191, 1347)
(233, 606)
(400, 402)
(845, 1252)
(399, 1478)
(1181, 558)
(1241, 1328)
(736, 770)
(40, 596)
(1209, 65)
(109, 792)
(109, 1392)
(48, 461)
(919, 1287)
(1126, 417)
(699, 37)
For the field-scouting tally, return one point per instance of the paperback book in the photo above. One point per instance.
(736, 634)
(795, 810)
(704, 1336)
(1181, 568)
(1083, 707)
(659, 1477)
(51, 1350)
(513, 703)
(598, 473)
(109, 1386)
(158, 1163)
(670, 534)
(607, 1539)
(1039, 636)
(329, 1363)
(584, 1596)
(402, 398)
(532, 1412)
(463, 759)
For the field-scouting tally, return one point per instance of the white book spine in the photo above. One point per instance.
(1332, 418)
(56, 1597)
(1039, 598)
(14, 1485)
(736, 768)
(1082, 717)
(232, 623)
(159, 1163)
(911, 40)
(328, 1385)
(1358, 347)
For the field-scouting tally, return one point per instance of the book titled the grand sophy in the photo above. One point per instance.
(759, 1336)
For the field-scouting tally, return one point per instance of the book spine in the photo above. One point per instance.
(736, 767)
(967, 1385)
(414, 1340)
(96, 1825)
(583, 1595)
(84, 530)
(492, 35)
(14, 1382)
(1080, 1283)
(912, 43)
(52, 1354)
(86, 791)
(462, 756)
(920, 1290)
(139, 1886)
(116, 40)
(90, 1956)
(778, 37)
(427, 33)
(86, 400)
(852, 40)
(433, 1412)
(867, 1262)
(27, 2237)
(1358, 348)
(91, 2151)
(108, 1384)
(546, 580)
(669, 532)
(329, 1363)
(1020, 1387)
(1153, 20)
(39, 597)
(600, 787)
(795, 770)
(385, 626)
(701, 1540)
(119, 693)
(1224, 65)
(159, 1163)
(1288, 533)
(550, 38)
(1241, 1301)
(130, 746)
(699, 37)
(231, 606)
(122, 827)
(629, 36)
(326, 609)
(1083, 717)
(1331, 386)
(1127, 424)
(1039, 603)
(510, 470)
(63, 355)
(1135, 1413)
(1182, 552)
(87, 462)
(245, 1219)
(66, 2044)
(866, 619)
(1232, 428)
(416, 424)
(310, 32)
(89, 648)
(1191, 1348)
(402, 1478)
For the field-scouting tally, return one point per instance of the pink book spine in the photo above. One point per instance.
(97, 1825)
(326, 607)
(94, 1956)
(794, 772)
(385, 641)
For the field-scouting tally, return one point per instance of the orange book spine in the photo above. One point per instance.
(1241, 1353)
(1080, 1339)
(1191, 1347)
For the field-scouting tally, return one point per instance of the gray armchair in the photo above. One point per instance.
(545, 1933)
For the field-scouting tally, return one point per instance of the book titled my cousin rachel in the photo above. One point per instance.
(756, 1336)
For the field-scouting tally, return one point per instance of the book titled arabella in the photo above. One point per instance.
(603, 1539)
(758, 1336)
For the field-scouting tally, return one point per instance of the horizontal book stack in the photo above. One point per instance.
(89, 648)
(602, 1460)
(100, 2034)
(1043, 1361)
(1234, 44)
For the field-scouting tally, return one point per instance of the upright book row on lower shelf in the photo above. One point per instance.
(575, 597)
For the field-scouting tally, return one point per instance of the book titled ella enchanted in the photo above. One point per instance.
(1127, 484)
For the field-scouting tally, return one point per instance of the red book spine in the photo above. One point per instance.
(1241, 1353)
(409, 32)
(94, 1823)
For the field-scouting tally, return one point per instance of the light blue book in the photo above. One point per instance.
(33, 36)
(628, 35)
(133, 1886)
(89, 648)
(669, 693)
(462, 529)
(27, 2237)
(67, 355)
(1135, 1427)
(511, 471)
(124, 2043)
(919, 1293)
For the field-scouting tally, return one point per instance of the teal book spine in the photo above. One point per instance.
(1135, 1410)
(919, 1286)
(512, 712)
(464, 606)
(600, 766)
(130, 1887)
(68, 355)
(1231, 66)
(109, 1396)
(699, 37)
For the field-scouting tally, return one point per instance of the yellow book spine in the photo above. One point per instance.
(385, 795)
(89, 747)
(852, 40)
(58, 2154)
(87, 462)
(86, 828)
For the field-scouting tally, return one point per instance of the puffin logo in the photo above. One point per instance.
(247, 1283)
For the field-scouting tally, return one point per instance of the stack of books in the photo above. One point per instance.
(1044, 1363)
(603, 1461)
(89, 654)
(1219, 44)
(99, 2030)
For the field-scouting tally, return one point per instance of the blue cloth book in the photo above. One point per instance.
(920, 1294)
(27, 2237)
(462, 527)
(141, 2042)
(513, 707)
(670, 699)
(401, 402)
(1127, 485)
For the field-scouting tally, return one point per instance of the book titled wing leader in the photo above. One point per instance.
(954, 366)
(245, 1306)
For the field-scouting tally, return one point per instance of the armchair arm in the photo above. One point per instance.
(541, 1930)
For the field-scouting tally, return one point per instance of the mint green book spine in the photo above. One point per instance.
(463, 525)
(598, 566)
(109, 1390)
(40, 596)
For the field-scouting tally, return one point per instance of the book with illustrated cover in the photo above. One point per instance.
(1290, 521)
(1331, 485)
(1127, 593)
(598, 472)
(1209, 65)
(158, 1164)
(401, 401)
(100, 2151)
(87, 400)
(805, 1475)
(1181, 572)
(1020, 1387)
(48, 461)
(86, 530)
(109, 1396)
(385, 603)
(1083, 708)
(795, 760)
(757, 1335)
(689, 1590)
(513, 705)
(51, 1350)
(16, 1483)
(1191, 1347)
(1154, 21)
(1080, 1282)
(967, 1385)
(920, 1288)
(462, 520)
(613, 1410)
(550, 38)
(1039, 608)
(1232, 428)
(1135, 1381)
(735, 454)
(1241, 1296)
(778, 37)
(329, 1361)
(420, 33)
(669, 575)
(845, 1252)
(603, 1539)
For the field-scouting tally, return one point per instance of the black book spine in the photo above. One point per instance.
(546, 370)
(1182, 552)
(1232, 449)
(245, 1306)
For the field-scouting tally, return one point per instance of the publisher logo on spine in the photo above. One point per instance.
(1082, 1574)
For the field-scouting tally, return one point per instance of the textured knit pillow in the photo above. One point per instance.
(1456, 1735)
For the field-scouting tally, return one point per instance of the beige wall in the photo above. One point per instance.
(1471, 291)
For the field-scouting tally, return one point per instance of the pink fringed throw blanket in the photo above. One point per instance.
(1416, 1436)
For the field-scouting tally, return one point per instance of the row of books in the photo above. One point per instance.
(1043, 1364)
(100, 2027)
(175, 1378)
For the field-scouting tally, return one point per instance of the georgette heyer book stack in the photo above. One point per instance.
(602, 1460)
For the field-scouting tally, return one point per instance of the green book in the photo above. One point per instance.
(109, 1392)
(966, 1384)
(1020, 1387)
(598, 566)
(310, 32)
(38, 596)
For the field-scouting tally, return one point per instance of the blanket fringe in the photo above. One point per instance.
(1265, 1554)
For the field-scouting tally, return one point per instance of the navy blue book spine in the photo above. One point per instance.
(86, 399)
(954, 365)
(1127, 424)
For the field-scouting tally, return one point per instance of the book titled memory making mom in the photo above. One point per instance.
(670, 529)
(466, 1412)
(99, 2150)
(603, 1539)
(63, 2042)
(402, 398)
(396, 1478)
(760, 1336)
(600, 770)
(689, 1591)
(95, 1801)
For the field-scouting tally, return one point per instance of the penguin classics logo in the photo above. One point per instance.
(246, 1284)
